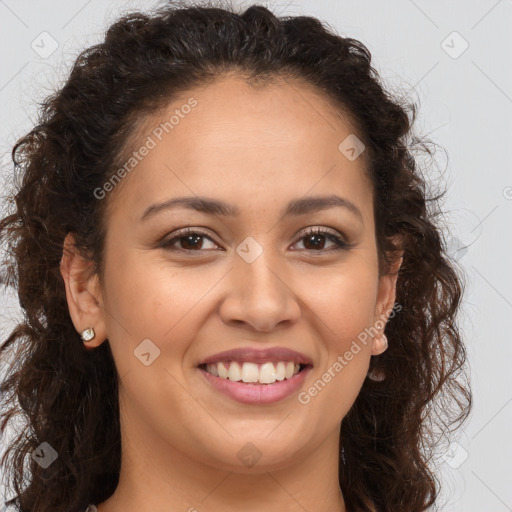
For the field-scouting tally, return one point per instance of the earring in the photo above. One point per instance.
(384, 341)
(379, 375)
(88, 334)
(376, 375)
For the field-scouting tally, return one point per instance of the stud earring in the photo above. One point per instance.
(88, 334)
(379, 375)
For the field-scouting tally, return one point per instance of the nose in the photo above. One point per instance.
(260, 296)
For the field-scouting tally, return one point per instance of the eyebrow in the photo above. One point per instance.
(295, 207)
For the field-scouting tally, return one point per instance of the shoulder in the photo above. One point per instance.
(91, 508)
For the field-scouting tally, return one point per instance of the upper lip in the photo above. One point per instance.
(255, 355)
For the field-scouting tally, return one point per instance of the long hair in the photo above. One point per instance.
(68, 396)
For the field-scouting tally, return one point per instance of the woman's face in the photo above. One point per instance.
(249, 277)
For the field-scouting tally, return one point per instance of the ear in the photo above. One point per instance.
(83, 292)
(385, 301)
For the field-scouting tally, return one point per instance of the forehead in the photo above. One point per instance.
(237, 139)
(231, 116)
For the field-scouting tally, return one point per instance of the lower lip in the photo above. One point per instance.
(255, 393)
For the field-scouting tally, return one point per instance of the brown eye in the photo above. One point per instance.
(188, 240)
(315, 240)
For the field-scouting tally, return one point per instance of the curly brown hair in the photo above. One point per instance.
(69, 395)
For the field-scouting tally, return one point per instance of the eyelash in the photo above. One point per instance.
(182, 233)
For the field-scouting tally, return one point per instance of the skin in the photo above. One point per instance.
(257, 149)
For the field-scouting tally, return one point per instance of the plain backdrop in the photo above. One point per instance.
(454, 59)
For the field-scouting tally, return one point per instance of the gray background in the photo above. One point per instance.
(465, 106)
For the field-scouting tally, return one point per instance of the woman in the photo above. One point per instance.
(235, 291)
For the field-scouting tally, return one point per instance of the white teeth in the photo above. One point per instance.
(221, 370)
(234, 372)
(213, 369)
(280, 371)
(250, 372)
(266, 373)
(290, 368)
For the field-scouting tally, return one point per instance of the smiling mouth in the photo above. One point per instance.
(253, 373)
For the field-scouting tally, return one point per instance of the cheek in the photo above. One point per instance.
(157, 302)
(344, 304)
(344, 299)
(345, 312)
(154, 300)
